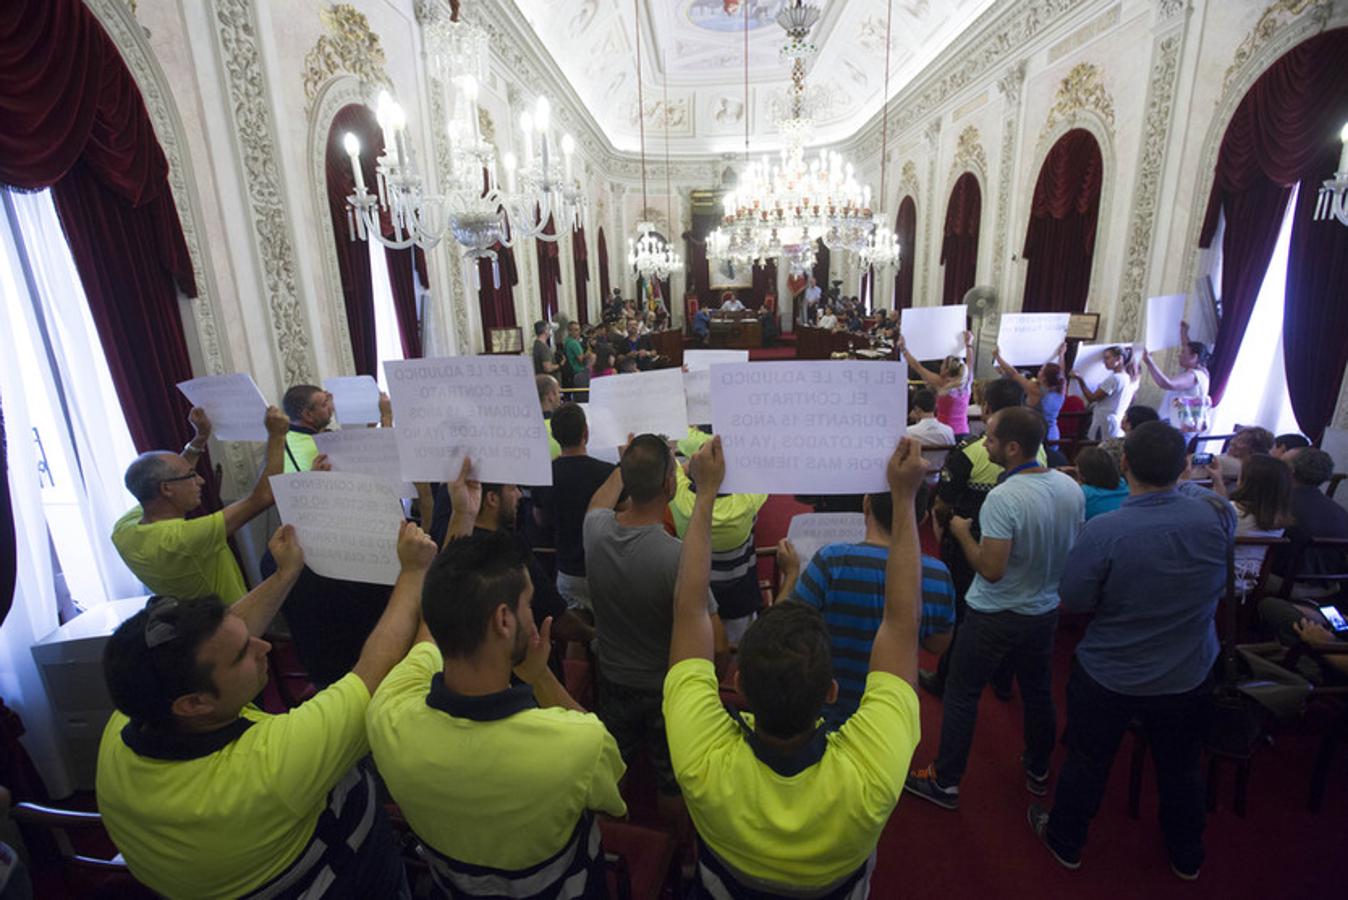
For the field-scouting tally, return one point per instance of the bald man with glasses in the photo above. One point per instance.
(185, 557)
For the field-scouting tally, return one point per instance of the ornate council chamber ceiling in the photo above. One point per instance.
(694, 50)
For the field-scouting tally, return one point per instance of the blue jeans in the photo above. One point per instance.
(1096, 720)
(984, 643)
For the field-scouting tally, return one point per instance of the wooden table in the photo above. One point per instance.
(737, 333)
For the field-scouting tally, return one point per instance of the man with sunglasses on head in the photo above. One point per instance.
(205, 795)
(184, 557)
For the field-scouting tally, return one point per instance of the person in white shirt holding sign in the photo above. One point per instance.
(1186, 402)
(1113, 395)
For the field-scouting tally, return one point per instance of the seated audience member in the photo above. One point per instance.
(1152, 575)
(923, 426)
(781, 805)
(1314, 515)
(545, 359)
(631, 563)
(627, 366)
(602, 363)
(205, 795)
(451, 733)
(182, 557)
(1245, 443)
(734, 561)
(846, 582)
(549, 398)
(1101, 483)
(1262, 499)
(966, 478)
(575, 478)
(1133, 416)
(702, 326)
(827, 321)
(1028, 523)
(1285, 446)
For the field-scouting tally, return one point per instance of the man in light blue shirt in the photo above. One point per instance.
(1028, 522)
(1152, 572)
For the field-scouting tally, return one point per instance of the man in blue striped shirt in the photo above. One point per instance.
(846, 582)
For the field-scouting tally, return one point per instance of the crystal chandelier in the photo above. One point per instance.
(882, 248)
(474, 206)
(1332, 203)
(649, 254)
(781, 209)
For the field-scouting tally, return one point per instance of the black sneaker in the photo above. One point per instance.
(1035, 784)
(1037, 816)
(923, 783)
(930, 682)
(1180, 873)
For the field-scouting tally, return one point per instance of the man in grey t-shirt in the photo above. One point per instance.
(631, 563)
(544, 357)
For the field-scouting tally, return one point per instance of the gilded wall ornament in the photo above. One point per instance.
(1082, 89)
(969, 153)
(349, 46)
(1274, 18)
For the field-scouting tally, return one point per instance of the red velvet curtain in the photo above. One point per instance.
(549, 270)
(406, 270)
(580, 256)
(602, 249)
(73, 120)
(353, 257)
(821, 266)
(905, 228)
(1285, 132)
(959, 242)
(497, 304)
(1060, 239)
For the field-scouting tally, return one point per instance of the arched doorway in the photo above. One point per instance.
(1060, 237)
(959, 239)
(905, 228)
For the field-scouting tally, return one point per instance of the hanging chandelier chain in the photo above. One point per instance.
(746, 82)
(884, 126)
(641, 99)
(669, 191)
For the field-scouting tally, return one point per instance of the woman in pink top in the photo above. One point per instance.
(951, 385)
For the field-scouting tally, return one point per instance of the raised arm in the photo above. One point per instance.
(201, 433)
(392, 635)
(1030, 387)
(609, 492)
(1092, 396)
(259, 606)
(895, 647)
(788, 568)
(534, 671)
(260, 497)
(465, 500)
(1181, 382)
(933, 380)
(693, 636)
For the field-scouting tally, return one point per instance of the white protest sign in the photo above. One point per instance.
(1164, 315)
(934, 332)
(355, 397)
(347, 523)
(365, 451)
(483, 406)
(1031, 339)
(233, 404)
(819, 427)
(810, 531)
(697, 380)
(1090, 363)
(643, 402)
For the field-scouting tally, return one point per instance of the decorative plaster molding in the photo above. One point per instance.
(254, 127)
(1169, 9)
(1085, 34)
(978, 102)
(1011, 84)
(1278, 15)
(908, 183)
(1151, 166)
(350, 47)
(932, 133)
(1083, 89)
(131, 41)
(1004, 179)
(969, 154)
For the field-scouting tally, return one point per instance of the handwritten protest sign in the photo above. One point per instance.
(483, 406)
(934, 332)
(810, 531)
(232, 402)
(1031, 339)
(1164, 315)
(643, 402)
(365, 451)
(347, 523)
(355, 397)
(697, 380)
(822, 427)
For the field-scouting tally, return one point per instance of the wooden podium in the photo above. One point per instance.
(736, 331)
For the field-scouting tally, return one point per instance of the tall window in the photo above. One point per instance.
(56, 387)
(1256, 392)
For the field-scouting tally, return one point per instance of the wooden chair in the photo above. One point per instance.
(640, 860)
(84, 875)
(1334, 482)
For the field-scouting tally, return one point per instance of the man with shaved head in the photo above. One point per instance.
(182, 557)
